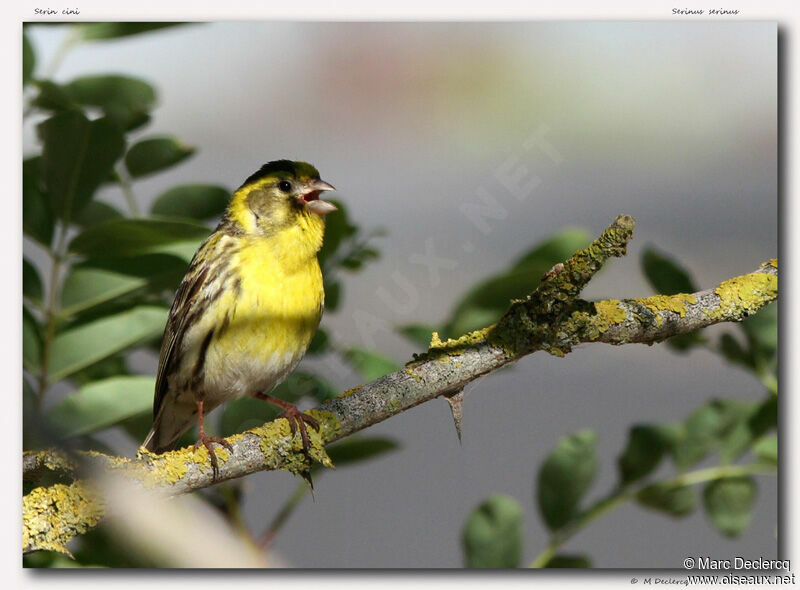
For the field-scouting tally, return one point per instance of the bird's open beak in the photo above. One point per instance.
(311, 198)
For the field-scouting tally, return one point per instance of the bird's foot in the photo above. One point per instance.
(297, 421)
(208, 443)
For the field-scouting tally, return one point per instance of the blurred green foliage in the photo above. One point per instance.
(105, 289)
(565, 476)
(493, 534)
(729, 428)
(485, 302)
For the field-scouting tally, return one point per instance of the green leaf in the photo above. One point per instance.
(192, 201)
(28, 59)
(646, 446)
(87, 344)
(555, 249)
(125, 111)
(703, 431)
(683, 342)
(244, 414)
(139, 426)
(320, 343)
(300, 384)
(97, 281)
(115, 30)
(665, 275)
(183, 250)
(53, 97)
(152, 155)
(762, 328)
(674, 500)
(358, 257)
(78, 155)
(113, 366)
(338, 228)
(729, 426)
(749, 422)
(488, 300)
(419, 334)
(492, 536)
(37, 218)
(333, 293)
(733, 351)
(31, 283)
(100, 547)
(565, 476)
(123, 99)
(563, 560)
(31, 341)
(39, 559)
(97, 212)
(87, 287)
(132, 237)
(767, 450)
(102, 404)
(761, 331)
(728, 503)
(370, 365)
(31, 421)
(352, 450)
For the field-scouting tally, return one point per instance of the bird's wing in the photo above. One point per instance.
(189, 291)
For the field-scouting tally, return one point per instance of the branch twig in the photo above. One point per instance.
(552, 318)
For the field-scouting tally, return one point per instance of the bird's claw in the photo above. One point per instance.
(208, 442)
(297, 421)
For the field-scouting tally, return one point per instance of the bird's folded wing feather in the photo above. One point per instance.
(183, 308)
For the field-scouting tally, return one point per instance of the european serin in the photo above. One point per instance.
(247, 308)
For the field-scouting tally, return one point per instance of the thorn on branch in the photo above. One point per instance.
(456, 403)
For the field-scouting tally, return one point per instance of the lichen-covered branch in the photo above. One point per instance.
(552, 318)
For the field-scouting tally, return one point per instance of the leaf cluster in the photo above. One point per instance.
(101, 289)
(729, 428)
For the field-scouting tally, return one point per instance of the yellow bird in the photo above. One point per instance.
(248, 307)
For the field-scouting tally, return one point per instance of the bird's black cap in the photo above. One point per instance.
(282, 167)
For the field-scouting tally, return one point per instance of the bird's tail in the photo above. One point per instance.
(163, 437)
(151, 443)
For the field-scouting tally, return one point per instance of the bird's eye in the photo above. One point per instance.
(285, 186)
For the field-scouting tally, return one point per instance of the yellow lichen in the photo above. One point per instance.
(284, 451)
(676, 303)
(608, 313)
(413, 374)
(457, 345)
(329, 425)
(742, 296)
(167, 468)
(52, 460)
(53, 515)
(234, 438)
(350, 391)
(441, 350)
(436, 342)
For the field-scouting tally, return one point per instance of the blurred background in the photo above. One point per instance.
(469, 144)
